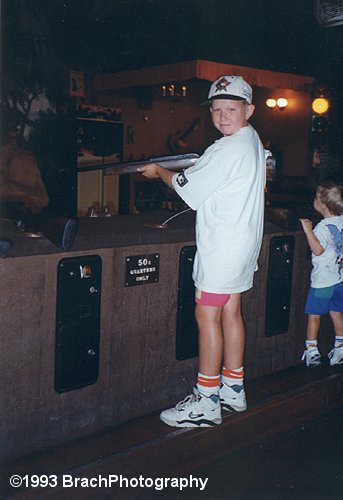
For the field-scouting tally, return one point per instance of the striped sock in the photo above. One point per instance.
(233, 377)
(338, 341)
(311, 344)
(208, 384)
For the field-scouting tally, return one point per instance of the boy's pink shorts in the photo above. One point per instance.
(211, 299)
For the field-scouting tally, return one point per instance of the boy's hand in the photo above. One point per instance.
(155, 171)
(306, 225)
(150, 170)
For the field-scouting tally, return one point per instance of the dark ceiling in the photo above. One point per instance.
(112, 35)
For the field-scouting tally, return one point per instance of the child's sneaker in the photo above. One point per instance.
(312, 357)
(336, 356)
(196, 410)
(232, 398)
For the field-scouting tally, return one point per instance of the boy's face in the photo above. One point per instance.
(318, 205)
(228, 116)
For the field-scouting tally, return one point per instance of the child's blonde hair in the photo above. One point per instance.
(331, 194)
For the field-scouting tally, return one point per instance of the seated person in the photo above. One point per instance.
(20, 179)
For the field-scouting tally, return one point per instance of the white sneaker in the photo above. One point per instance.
(232, 398)
(196, 410)
(312, 357)
(336, 356)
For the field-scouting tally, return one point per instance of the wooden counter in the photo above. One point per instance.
(138, 371)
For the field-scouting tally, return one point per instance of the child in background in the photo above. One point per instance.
(326, 291)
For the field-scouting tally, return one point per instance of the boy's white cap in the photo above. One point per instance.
(230, 87)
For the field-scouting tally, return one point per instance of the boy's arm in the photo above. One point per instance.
(313, 241)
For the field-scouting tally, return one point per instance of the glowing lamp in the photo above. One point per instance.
(282, 102)
(320, 105)
(174, 91)
(271, 103)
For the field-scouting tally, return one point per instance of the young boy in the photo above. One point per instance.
(326, 292)
(226, 188)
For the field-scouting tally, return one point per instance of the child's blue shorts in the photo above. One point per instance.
(323, 300)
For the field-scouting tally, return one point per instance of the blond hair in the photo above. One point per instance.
(331, 194)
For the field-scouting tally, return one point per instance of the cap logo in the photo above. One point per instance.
(222, 84)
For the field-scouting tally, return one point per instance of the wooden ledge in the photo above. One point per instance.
(145, 446)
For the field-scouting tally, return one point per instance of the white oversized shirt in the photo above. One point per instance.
(226, 188)
(328, 267)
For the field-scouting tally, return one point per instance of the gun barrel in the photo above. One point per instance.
(174, 162)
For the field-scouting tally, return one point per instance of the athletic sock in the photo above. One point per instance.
(208, 384)
(338, 341)
(311, 344)
(233, 378)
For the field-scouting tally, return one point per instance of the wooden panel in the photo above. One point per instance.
(138, 372)
(143, 338)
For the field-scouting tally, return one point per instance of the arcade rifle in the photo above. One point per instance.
(173, 162)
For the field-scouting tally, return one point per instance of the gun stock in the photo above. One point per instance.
(175, 162)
